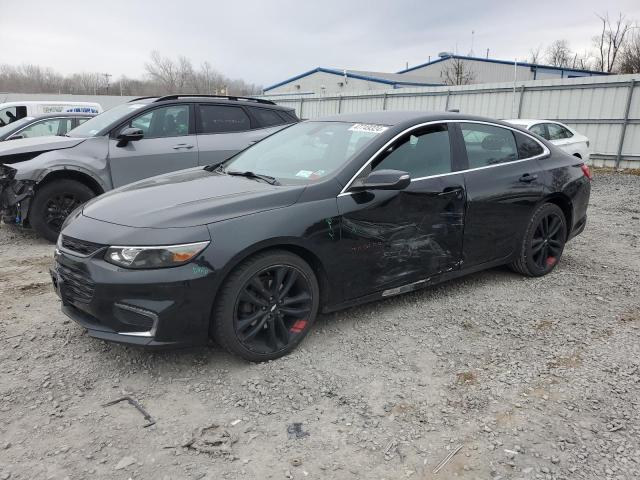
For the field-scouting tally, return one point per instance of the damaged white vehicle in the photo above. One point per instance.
(42, 180)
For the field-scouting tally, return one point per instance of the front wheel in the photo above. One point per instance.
(53, 203)
(266, 306)
(543, 242)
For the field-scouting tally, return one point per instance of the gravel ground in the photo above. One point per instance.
(533, 378)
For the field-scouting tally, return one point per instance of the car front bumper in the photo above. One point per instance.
(154, 308)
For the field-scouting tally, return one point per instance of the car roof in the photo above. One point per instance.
(393, 118)
(62, 114)
(531, 121)
(217, 99)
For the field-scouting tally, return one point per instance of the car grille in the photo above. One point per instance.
(77, 287)
(81, 247)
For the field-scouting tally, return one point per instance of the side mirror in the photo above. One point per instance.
(129, 134)
(383, 180)
(16, 137)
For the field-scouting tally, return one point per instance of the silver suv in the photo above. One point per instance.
(43, 179)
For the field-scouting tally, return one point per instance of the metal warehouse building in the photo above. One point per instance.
(332, 81)
(489, 70)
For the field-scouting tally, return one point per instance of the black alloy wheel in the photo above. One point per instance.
(52, 204)
(543, 242)
(58, 208)
(272, 308)
(547, 242)
(266, 306)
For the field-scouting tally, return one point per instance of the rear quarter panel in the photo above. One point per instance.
(563, 176)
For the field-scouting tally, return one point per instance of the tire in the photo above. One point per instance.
(53, 203)
(252, 321)
(542, 243)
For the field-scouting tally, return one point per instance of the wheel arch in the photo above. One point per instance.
(565, 204)
(71, 174)
(289, 245)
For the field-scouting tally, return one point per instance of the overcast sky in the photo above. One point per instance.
(267, 41)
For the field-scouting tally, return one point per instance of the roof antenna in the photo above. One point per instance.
(487, 53)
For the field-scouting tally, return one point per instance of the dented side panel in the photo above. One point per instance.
(397, 237)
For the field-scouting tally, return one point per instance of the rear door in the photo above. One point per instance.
(393, 238)
(169, 144)
(223, 130)
(503, 185)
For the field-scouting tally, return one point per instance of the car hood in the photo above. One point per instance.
(19, 150)
(188, 198)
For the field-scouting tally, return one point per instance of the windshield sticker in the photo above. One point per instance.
(368, 128)
(304, 173)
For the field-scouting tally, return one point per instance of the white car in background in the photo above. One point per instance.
(559, 134)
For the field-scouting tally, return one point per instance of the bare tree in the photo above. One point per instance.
(581, 62)
(535, 55)
(558, 54)
(610, 42)
(456, 72)
(165, 76)
(630, 55)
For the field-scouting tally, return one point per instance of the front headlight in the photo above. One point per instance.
(154, 257)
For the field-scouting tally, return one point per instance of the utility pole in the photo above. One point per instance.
(106, 81)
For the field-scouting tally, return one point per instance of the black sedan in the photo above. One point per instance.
(320, 216)
(43, 125)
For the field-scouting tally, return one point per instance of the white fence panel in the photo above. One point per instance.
(600, 107)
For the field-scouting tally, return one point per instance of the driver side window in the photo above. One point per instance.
(172, 121)
(422, 153)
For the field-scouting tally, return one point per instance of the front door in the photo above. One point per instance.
(393, 238)
(169, 144)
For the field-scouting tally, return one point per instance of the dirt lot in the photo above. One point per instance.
(534, 378)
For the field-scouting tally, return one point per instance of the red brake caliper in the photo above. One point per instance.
(298, 326)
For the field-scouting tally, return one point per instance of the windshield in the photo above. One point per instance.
(13, 126)
(97, 124)
(305, 152)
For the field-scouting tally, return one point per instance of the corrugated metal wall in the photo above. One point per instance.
(603, 108)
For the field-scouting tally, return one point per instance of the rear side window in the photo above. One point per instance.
(223, 119)
(488, 145)
(421, 154)
(540, 129)
(288, 116)
(527, 146)
(266, 117)
(558, 132)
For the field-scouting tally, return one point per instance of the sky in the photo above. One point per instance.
(264, 42)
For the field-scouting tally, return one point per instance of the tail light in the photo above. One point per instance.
(586, 171)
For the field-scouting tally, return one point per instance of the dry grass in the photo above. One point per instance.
(466, 378)
(626, 171)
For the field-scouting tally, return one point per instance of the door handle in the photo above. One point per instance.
(182, 145)
(456, 190)
(527, 178)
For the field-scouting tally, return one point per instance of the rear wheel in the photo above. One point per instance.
(266, 306)
(543, 242)
(53, 203)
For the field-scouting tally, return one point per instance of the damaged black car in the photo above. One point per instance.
(320, 216)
